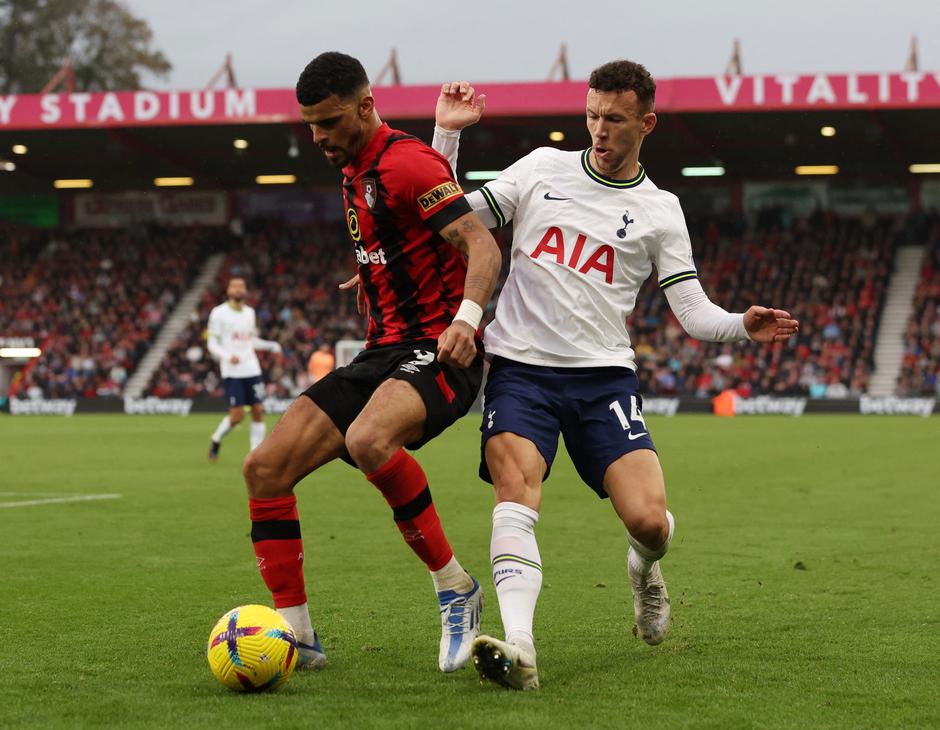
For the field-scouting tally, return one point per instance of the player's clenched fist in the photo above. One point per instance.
(457, 345)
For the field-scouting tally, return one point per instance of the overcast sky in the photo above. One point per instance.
(507, 40)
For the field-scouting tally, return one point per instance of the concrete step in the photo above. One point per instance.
(889, 343)
(174, 326)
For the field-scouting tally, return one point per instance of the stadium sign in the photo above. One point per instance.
(767, 405)
(711, 93)
(17, 342)
(890, 405)
(277, 405)
(177, 208)
(660, 406)
(42, 407)
(158, 406)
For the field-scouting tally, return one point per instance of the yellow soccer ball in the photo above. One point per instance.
(252, 649)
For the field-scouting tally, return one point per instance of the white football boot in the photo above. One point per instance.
(506, 664)
(310, 656)
(650, 604)
(460, 625)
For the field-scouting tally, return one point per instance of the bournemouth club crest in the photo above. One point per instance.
(369, 191)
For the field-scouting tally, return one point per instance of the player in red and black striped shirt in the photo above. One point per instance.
(410, 230)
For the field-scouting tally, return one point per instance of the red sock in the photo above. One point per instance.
(275, 533)
(402, 482)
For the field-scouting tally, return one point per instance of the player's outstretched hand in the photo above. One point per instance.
(360, 295)
(458, 106)
(457, 345)
(764, 324)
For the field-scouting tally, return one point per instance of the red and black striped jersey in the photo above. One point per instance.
(399, 193)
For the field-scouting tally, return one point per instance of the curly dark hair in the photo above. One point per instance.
(626, 76)
(330, 73)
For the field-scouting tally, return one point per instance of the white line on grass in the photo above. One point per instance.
(60, 500)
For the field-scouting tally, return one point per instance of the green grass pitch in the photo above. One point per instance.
(805, 581)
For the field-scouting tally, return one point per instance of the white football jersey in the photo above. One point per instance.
(234, 331)
(583, 244)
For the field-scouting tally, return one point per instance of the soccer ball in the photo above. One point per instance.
(252, 649)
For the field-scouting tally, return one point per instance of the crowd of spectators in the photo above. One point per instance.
(920, 369)
(829, 272)
(292, 273)
(93, 300)
(96, 299)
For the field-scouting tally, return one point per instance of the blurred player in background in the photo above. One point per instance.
(232, 340)
(410, 228)
(589, 227)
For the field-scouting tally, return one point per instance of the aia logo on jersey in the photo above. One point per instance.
(369, 191)
(552, 246)
(627, 220)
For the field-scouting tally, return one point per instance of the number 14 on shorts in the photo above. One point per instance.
(635, 417)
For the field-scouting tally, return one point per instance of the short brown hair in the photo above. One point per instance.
(626, 76)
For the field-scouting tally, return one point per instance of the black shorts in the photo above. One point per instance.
(447, 392)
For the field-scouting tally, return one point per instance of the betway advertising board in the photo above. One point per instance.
(652, 406)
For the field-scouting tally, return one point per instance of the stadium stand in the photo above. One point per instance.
(920, 370)
(94, 300)
(832, 272)
(114, 289)
(292, 274)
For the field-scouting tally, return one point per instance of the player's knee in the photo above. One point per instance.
(236, 417)
(367, 449)
(650, 528)
(511, 485)
(263, 479)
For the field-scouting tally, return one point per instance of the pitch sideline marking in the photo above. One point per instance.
(60, 500)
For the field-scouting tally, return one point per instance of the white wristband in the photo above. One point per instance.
(470, 312)
(446, 133)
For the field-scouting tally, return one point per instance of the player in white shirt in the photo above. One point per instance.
(589, 227)
(233, 339)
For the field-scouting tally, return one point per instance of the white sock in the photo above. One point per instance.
(223, 428)
(299, 619)
(517, 570)
(642, 558)
(452, 577)
(257, 433)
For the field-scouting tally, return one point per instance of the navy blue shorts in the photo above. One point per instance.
(597, 410)
(243, 391)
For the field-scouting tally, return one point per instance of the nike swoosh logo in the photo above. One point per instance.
(635, 436)
(548, 196)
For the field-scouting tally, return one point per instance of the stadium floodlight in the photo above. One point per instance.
(712, 171)
(924, 168)
(240, 144)
(67, 184)
(556, 136)
(482, 174)
(817, 170)
(7, 166)
(276, 179)
(828, 131)
(20, 352)
(20, 149)
(172, 182)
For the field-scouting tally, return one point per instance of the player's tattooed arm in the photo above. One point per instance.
(469, 236)
(457, 344)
